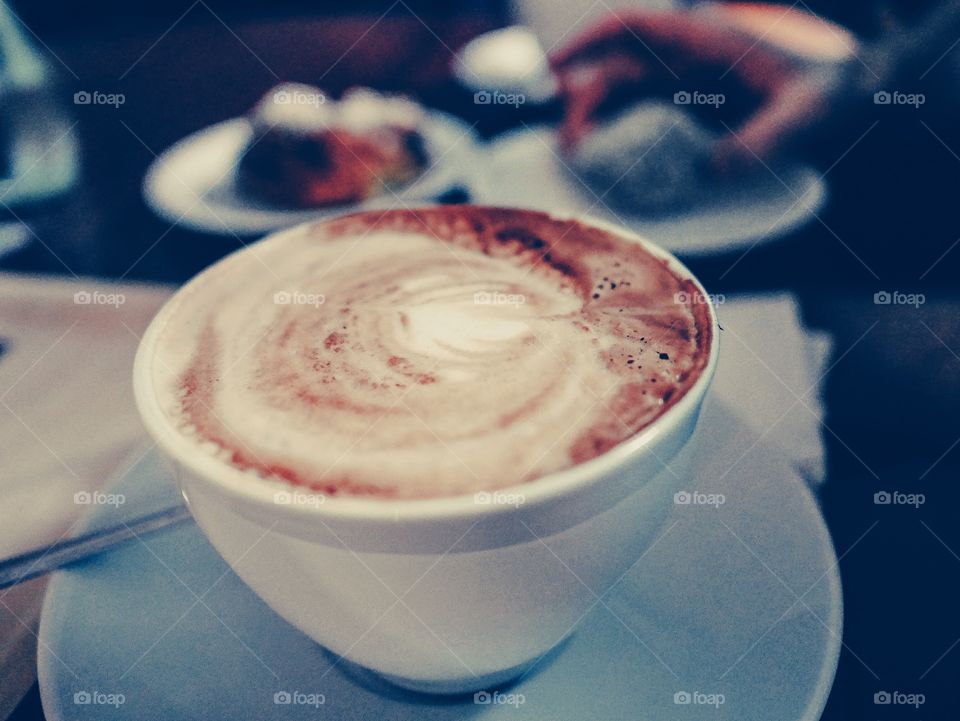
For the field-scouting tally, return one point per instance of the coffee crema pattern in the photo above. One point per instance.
(429, 352)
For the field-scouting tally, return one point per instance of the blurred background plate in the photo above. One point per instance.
(525, 169)
(193, 183)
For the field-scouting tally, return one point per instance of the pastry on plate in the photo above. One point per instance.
(308, 150)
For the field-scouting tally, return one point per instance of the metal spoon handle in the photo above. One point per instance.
(70, 550)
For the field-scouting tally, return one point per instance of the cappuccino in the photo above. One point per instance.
(428, 352)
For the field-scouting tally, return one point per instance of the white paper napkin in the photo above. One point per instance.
(770, 371)
(66, 420)
(66, 404)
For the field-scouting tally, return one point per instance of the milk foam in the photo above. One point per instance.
(427, 354)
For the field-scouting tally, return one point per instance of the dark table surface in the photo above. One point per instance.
(894, 380)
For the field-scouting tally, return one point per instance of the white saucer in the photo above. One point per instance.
(193, 183)
(710, 609)
(524, 169)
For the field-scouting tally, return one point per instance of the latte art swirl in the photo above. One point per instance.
(428, 353)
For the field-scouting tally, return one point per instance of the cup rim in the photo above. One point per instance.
(246, 487)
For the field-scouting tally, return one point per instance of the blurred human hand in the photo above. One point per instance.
(770, 98)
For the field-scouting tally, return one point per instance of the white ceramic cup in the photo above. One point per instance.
(443, 595)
